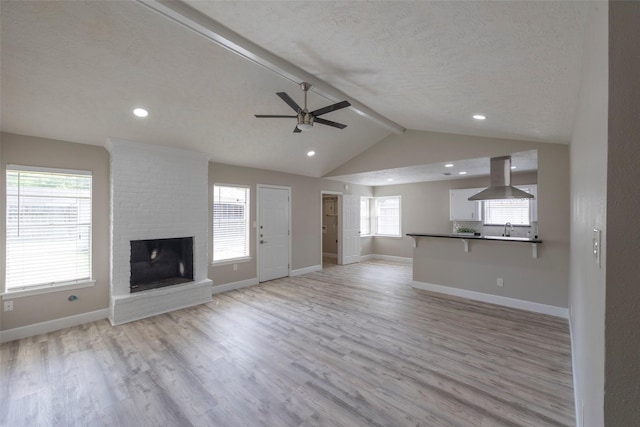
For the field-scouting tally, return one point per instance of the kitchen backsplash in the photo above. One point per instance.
(494, 230)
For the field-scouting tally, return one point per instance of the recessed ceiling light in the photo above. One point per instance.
(140, 112)
(479, 116)
(462, 173)
(514, 167)
(311, 153)
(389, 179)
(448, 165)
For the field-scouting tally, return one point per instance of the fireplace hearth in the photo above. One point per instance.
(158, 263)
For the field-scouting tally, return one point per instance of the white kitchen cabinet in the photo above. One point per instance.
(462, 209)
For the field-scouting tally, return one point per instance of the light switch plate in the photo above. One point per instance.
(597, 248)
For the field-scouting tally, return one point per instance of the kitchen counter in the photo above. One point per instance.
(467, 237)
(474, 237)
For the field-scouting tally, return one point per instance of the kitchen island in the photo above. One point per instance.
(495, 269)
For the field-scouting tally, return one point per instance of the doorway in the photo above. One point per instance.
(273, 232)
(330, 223)
(343, 211)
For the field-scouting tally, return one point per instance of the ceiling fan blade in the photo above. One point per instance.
(296, 130)
(271, 116)
(290, 102)
(329, 123)
(330, 108)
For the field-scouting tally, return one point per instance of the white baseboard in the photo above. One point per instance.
(301, 271)
(494, 299)
(328, 255)
(218, 289)
(52, 325)
(406, 260)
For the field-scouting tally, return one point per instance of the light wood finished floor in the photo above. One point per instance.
(347, 346)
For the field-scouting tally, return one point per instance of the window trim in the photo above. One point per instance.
(370, 233)
(236, 260)
(373, 217)
(531, 189)
(44, 288)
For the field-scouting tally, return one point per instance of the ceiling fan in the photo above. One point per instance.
(305, 118)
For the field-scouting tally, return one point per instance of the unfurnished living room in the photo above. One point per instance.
(331, 213)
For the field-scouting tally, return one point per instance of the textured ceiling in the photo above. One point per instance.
(74, 70)
(431, 65)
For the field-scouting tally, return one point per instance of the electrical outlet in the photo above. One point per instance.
(500, 282)
(8, 306)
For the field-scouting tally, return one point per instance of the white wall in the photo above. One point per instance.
(588, 203)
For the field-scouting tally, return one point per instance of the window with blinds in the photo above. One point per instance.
(387, 216)
(365, 216)
(230, 222)
(48, 240)
(515, 211)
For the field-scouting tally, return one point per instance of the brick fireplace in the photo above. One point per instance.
(157, 194)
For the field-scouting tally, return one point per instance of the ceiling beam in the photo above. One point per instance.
(202, 24)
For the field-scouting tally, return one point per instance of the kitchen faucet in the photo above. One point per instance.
(507, 232)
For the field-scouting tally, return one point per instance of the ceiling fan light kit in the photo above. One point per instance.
(305, 118)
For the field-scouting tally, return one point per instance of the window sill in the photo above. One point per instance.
(231, 261)
(19, 293)
(389, 236)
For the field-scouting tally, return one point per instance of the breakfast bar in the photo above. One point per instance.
(467, 237)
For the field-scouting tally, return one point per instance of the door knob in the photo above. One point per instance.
(262, 241)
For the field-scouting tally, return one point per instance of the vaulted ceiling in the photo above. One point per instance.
(75, 70)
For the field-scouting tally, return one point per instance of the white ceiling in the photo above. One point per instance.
(74, 70)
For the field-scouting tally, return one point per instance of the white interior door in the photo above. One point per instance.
(350, 229)
(273, 233)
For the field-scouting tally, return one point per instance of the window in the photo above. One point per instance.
(388, 216)
(515, 211)
(48, 227)
(365, 216)
(230, 222)
(380, 216)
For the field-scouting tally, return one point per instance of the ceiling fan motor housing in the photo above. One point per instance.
(305, 120)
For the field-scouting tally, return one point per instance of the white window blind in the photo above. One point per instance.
(365, 216)
(230, 222)
(515, 211)
(387, 214)
(48, 227)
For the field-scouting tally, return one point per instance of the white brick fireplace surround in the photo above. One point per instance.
(156, 193)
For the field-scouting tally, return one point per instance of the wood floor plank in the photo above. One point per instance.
(346, 346)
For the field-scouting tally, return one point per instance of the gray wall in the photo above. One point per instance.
(425, 208)
(622, 318)
(31, 151)
(588, 211)
(544, 280)
(306, 219)
(521, 271)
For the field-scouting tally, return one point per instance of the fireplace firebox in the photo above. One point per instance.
(160, 262)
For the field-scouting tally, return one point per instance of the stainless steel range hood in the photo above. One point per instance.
(501, 187)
